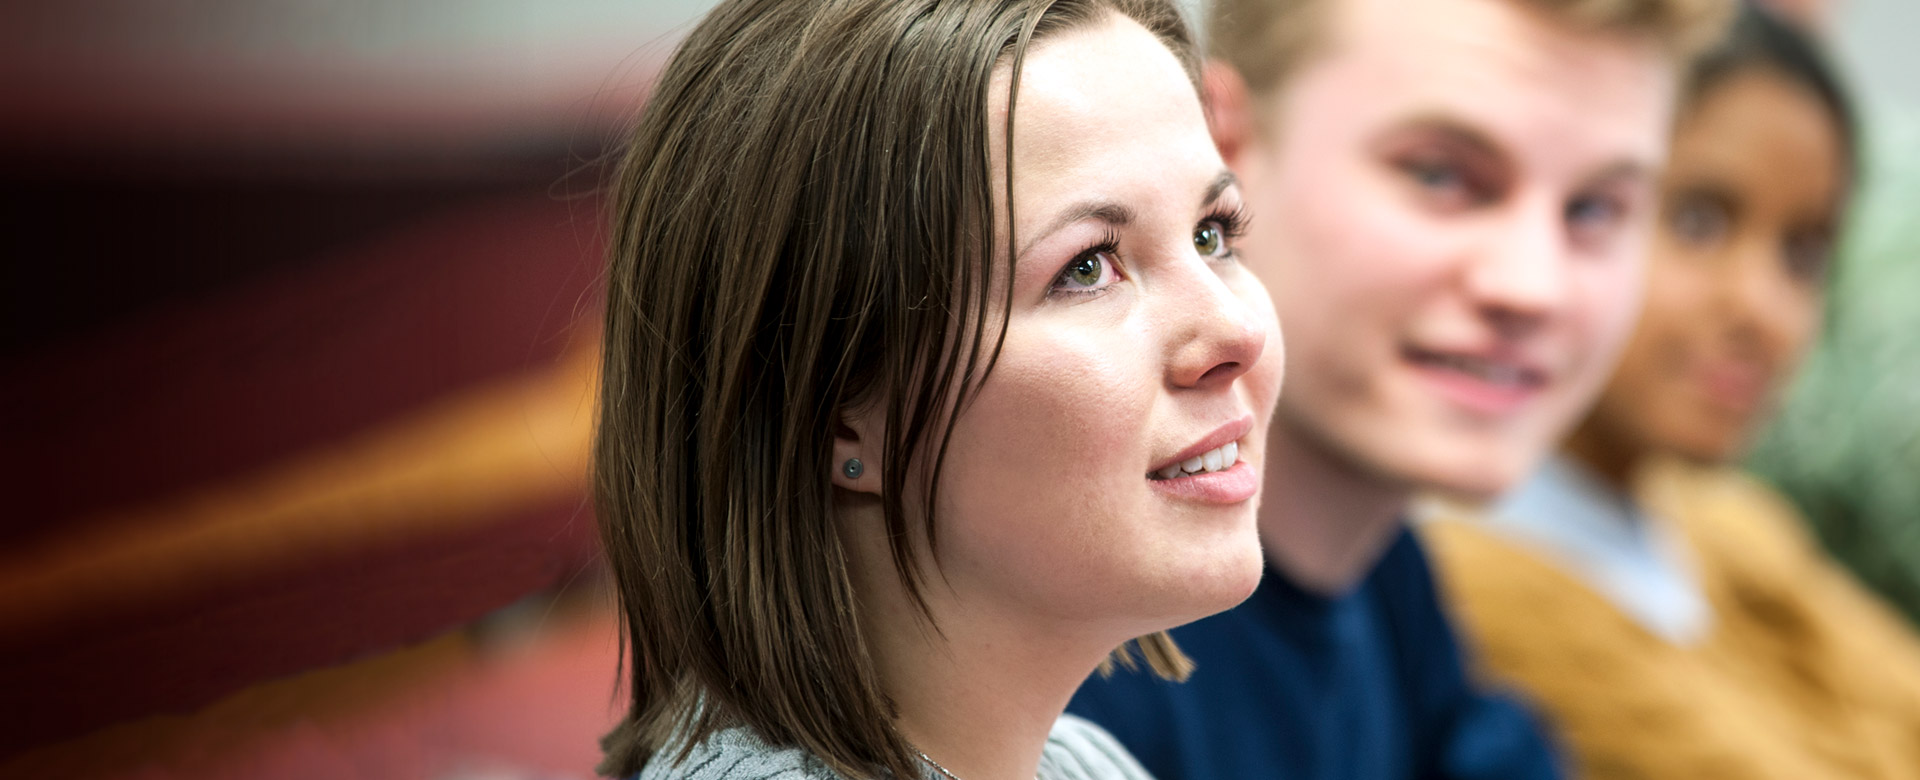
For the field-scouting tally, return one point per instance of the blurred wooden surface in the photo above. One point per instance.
(523, 696)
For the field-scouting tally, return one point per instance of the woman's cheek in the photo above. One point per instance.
(1064, 405)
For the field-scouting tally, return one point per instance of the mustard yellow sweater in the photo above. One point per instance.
(1802, 676)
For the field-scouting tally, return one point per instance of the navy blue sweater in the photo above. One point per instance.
(1295, 686)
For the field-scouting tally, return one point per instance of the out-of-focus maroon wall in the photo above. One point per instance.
(297, 330)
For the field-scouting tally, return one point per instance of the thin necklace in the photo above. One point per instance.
(944, 772)
(936, 765)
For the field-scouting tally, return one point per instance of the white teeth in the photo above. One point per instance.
(1489, 371)
(1219, 459)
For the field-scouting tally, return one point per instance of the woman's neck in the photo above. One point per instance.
(980, 695)
(1324, 520)
(978, 698)
(1607, 455)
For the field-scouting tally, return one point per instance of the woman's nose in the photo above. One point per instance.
(1760, 300)
(1217, 338)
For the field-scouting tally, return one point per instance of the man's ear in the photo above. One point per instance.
(857, 448)
(1229, 110)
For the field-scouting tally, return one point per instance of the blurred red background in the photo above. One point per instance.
(296, 384)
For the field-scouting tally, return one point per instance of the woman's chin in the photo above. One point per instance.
(1204, 584)
(1713, 449)
(1229, 580)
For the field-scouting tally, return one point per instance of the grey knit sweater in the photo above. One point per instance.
(1076, 750)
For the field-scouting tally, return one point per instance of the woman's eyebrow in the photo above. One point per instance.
(1726, 198)
(1115, 214)
(1120, 214)
(1221, 181)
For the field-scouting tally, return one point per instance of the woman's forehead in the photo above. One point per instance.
(1102, 111)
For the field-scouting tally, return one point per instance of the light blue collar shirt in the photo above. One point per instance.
(1604, 539)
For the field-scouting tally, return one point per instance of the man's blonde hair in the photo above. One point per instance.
(1268, 40)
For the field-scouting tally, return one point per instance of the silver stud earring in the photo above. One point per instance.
(852, 468)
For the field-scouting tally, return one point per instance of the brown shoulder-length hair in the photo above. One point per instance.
(803, 223)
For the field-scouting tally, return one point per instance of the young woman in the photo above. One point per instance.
(930, 378)
(1669, 613)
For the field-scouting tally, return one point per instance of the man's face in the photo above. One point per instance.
(1450, 208)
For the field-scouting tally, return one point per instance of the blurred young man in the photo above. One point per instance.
(1451, 201)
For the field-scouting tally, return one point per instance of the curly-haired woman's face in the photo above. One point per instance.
(1109, 469)
(1737, 285)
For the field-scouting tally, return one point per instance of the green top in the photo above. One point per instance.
(1847, 446)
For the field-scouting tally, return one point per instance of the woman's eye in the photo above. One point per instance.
(1699, 222)
(1091, 271)
(1210, 239)
(1807, 256)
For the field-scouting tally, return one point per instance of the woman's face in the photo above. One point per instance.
(1137, 350)
(1751, 202)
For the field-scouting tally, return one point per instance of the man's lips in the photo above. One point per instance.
(1487, 382)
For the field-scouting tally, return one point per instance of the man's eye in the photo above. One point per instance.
(1438, 177)
(1595, 212)
(1593, 219)
(1443, 185)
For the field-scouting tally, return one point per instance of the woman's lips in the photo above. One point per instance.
(1228, 486)
(1212, 470)
(1735, 385)
(1198, 453)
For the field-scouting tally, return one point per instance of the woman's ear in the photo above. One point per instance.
(1229, 110)
(857, 449)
